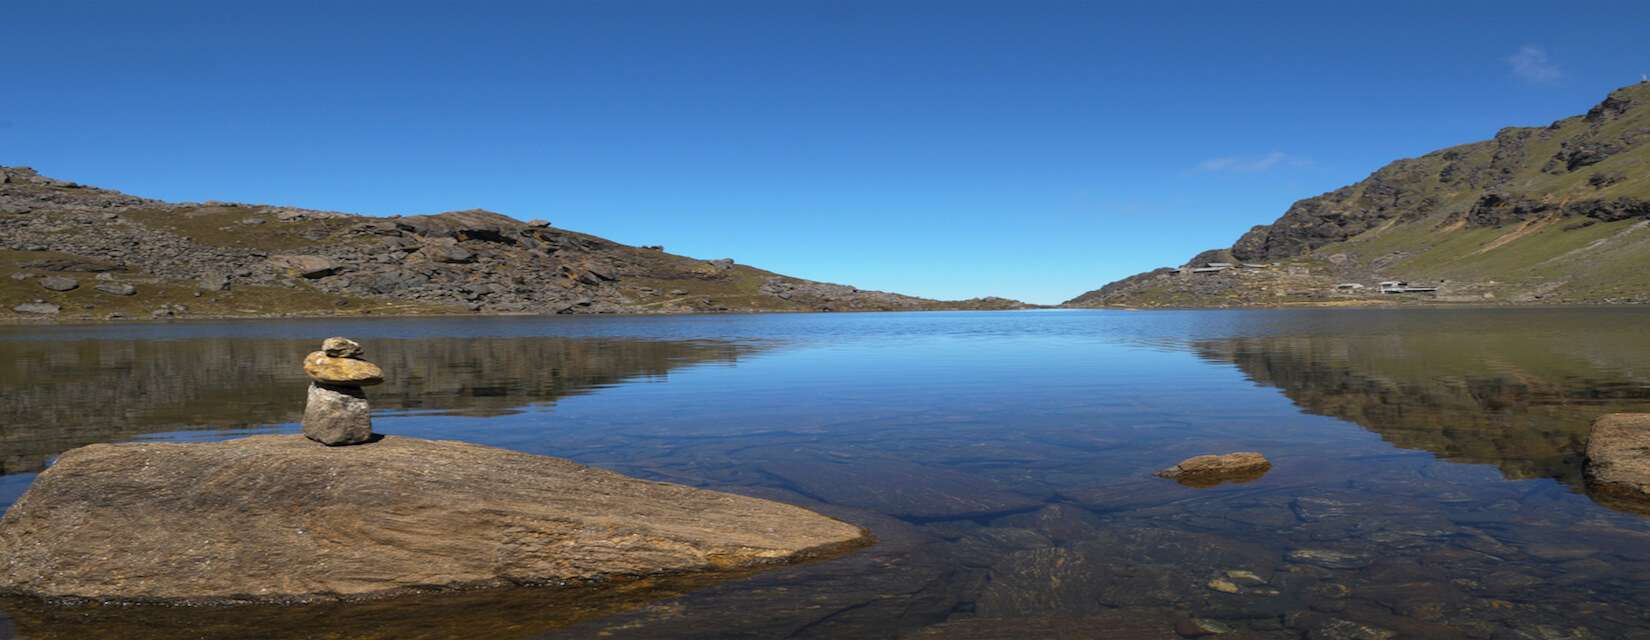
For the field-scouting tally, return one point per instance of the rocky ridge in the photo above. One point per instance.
(226, 259)
(1554, 214)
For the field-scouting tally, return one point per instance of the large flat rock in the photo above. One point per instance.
(281, 518)
(1618, 460)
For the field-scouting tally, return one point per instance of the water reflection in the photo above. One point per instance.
(1522, 401)
(60, 395)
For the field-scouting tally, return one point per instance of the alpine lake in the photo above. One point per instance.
(1426, 479)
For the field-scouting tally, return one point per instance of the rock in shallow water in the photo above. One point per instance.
(337, 416)
(1618, 460)
(1242, 466)
(341, 371)
(280, 518)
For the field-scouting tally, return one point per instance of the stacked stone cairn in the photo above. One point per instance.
(337, 413)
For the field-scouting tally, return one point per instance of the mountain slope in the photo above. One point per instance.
(73, 251)
(1534, 215)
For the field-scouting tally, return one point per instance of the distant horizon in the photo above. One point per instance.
(943, 150)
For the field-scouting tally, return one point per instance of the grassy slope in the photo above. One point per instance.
(1552, 259)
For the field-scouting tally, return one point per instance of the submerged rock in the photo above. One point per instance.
(282, 519)
(1242, 466)
(1328, 558)
(341, 371)
(1618, 460)
(337, 416)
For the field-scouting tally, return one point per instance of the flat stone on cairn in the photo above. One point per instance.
(337, 412)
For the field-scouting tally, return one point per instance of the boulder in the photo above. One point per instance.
(341, 371)
(60, 283)
(1618, 460)
(117, 288)
(450, 253)
(310, 267)
(337, 416)
(37, 308)
(278, 518)
(1208, 470)
(213, 281)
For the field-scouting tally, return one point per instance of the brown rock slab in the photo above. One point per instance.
(1618, 460)
(337, 416)
(1209, 470)
(282, 519)
(341, 371)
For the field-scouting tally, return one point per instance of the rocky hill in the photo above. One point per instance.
(78, 252)
(1554, 214)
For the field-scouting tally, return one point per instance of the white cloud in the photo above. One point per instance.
(1531, 64)
(1251, 164)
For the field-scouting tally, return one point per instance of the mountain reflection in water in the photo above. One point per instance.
(60, 395)
(1522, 401)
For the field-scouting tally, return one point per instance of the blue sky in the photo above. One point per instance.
(948, 149)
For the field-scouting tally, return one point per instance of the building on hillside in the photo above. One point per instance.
(1399, 286)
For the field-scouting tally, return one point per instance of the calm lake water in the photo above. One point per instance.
(1426, 478)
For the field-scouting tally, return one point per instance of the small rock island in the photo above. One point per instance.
(1618, 461)
(1210, 470)
(292, 519)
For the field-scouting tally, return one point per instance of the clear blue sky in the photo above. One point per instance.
(948, 149)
